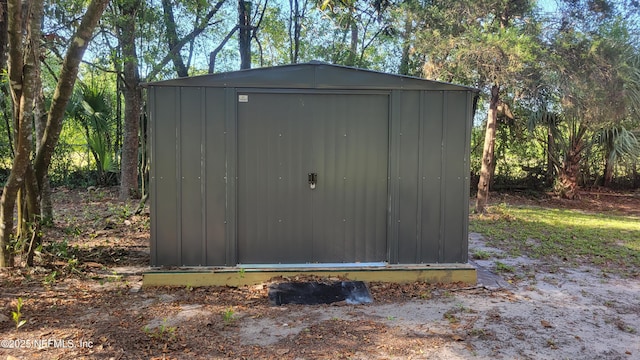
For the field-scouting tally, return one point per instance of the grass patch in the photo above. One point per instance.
(611, 242)
(502, 267)
(480, 254)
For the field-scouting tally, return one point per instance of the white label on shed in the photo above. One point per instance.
(243, 98)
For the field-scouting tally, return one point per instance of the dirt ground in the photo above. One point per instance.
(88, 303)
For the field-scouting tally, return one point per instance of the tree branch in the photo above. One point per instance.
(193, 34)
(64, 88)
(214, 53)
(172, 38)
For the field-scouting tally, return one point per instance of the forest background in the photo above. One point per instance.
(559, 105)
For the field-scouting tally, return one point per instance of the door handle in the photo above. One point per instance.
(313, 180)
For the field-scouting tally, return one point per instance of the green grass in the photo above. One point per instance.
(611, 242)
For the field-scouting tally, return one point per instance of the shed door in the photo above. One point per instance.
(342, 141)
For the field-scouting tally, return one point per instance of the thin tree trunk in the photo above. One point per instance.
(206, 21)
(144, 164)
(486, 173)
(119, 120)
(7, 204)
(64, 88)
(551, 173)
(608, 171)
(295, 28)
(132, 103)
(214, 53)
(23, 68)
(6, 115)
(172, 39)
(46, 208)
(38, 192)
(33, 200)
(406, 45)
(22, 76)
(244, 37)
(353, 46)
(4, 43)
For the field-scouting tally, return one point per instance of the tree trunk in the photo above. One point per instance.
(566, 185)
(23, 68)
(608, 171)
(551, 170)
(4, 35)
(132, 102)
(4, 43)
(295, 28)
(7, 204)
(214, 53)
(172, 39)
(23, 72)
(46, 208)
(64, 87)
(33, 200)
(353, 46)
(144, 157)
(406, 45)
(189, 38)
(244, 37)
(486, 172)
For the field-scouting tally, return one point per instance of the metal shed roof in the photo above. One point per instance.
(312, 75)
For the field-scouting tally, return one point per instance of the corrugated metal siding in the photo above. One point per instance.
(282, 138)
(153, 213)
(229, 183)
(190, 176)
(350, 137)
(215, 177)
(454, 173)
(433, 142)
(164, 177)
(429, 187)
(274, 210)
(407, 178)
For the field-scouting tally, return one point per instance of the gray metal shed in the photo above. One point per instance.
(309, 163)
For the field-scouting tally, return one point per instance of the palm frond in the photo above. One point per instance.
(618, 142)
(543, 118)
(631, 75)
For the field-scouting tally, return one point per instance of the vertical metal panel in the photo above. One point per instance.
(342, 138)
(372, 179)
(330, 216)
(350, 137)
(454, 165)
(151, 106)
(231, 163)
(431, 138)
(409, 137)
(191, 202)
(394, 168)
(467, 174)
(203, 175)
(178, 171)
(215, 177)
(165, 221)
(274, 201)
